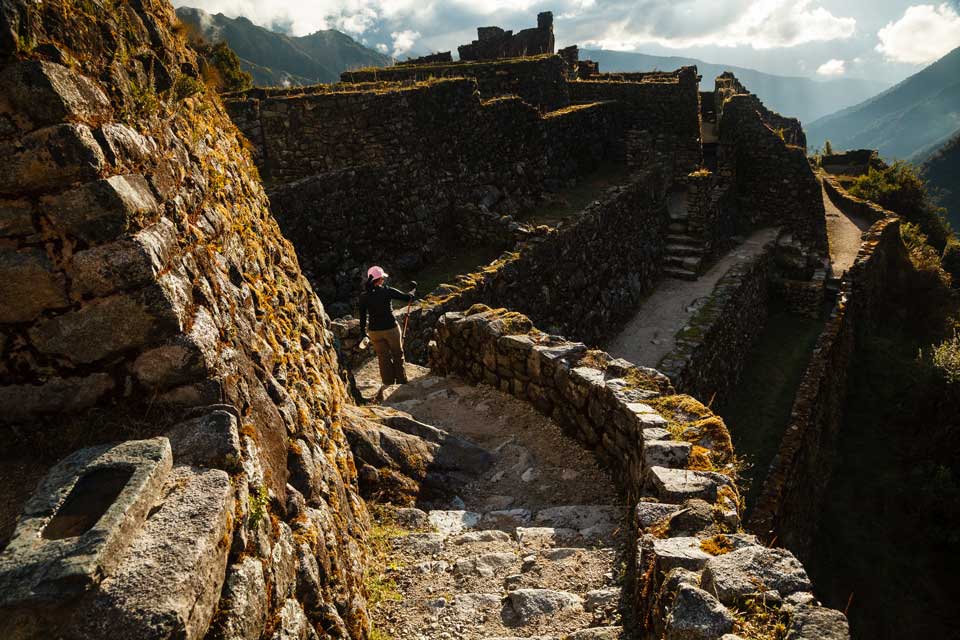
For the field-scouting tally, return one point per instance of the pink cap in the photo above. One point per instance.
(376, 273)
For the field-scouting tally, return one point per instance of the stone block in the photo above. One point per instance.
(666, 453)
(169, 582)
(75, 529)
(108, 326)
(697, 615)
(29, 285)
(24, 402)
(293, 623)
(818, 623)
(677, 485)
(124, 146)
(50, 158)
(684, 552)
(741, 573)
(183, 359)
(243, 607)
(16, 218)
(650, 513)
(212, 440)
(39, 93)
(125, 264)
(104, 210)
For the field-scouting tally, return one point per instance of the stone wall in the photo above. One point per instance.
(143, 280)
(582, 279)
(540, 80)
(672, 457)
(794, 488)
(766, 153)
(712, 349)
(493, 42)
(663, 105)
(852, 205)
(404, 174)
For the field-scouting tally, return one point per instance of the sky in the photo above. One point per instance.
(884, 40)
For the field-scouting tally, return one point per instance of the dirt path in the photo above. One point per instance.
(843, 236)
(530, 548)
(649, 336)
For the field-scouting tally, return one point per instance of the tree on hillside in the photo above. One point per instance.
(827, 148)
(223, 69)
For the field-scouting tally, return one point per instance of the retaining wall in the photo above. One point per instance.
(775, 185)
(403, 174)
(711, 350)
(539, 80)
(665, 105)
(793, 491)
(669, 452)
(581, 279)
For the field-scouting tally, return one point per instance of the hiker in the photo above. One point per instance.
(377, 300)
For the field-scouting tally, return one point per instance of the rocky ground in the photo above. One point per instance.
(527, 546)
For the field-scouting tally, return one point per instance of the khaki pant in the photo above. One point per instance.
(389, 347)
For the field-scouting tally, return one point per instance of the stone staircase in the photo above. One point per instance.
(685, 250)
(550, 574)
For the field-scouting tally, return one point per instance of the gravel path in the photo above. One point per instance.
(532, 547)
(844, 235)
(649, 336)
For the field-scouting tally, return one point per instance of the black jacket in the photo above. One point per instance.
(378, 301)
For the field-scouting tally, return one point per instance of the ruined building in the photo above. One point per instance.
(173, 392)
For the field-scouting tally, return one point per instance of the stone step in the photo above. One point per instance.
(690, 263)
(683, 250)
(685, 239)
(680, 215)
(677, 227)
(681, 274)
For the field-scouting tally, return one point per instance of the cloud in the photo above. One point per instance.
(832, 67)
(403, 41)
(619, 24)
(924, 34)
(382, 48)
(761, 24)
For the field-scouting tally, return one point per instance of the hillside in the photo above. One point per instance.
(801, 98)
(277, 59)
(906, 121)
(942, 171)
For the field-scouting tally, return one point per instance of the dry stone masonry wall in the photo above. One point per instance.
(404, 174)
(146, 293)
(796, 482)
(572, 279)
(766, 153)
(694, 574)
(711, 350)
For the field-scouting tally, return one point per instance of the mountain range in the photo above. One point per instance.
(909, 121)
(802, 98)
(276, 59)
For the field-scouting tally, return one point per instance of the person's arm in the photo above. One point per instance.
(363, 315)
(396, 294)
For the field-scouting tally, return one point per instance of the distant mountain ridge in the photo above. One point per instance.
(941, 169)
(908, 121)
(277, 59)
(797, 97)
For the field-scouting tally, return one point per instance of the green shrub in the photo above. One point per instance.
(224, 69)
(900, 189)
(946, 358)
(950, 260)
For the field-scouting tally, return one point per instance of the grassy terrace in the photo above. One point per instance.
(559, 206)
(438, 66)
(758, 410)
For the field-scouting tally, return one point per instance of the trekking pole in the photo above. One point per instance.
(406, 320)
